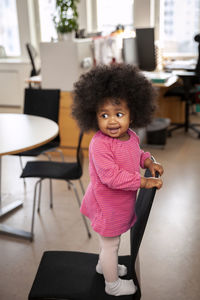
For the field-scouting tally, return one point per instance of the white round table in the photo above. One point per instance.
(20, 132)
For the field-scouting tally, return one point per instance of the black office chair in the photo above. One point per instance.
(197, 68)
(72, 275)
(42, 103)
(186, 93)
(67, 171)
(33, 55)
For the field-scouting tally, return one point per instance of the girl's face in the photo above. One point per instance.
(114, 119)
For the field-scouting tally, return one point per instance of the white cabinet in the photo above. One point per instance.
(13, 74)
(63, 62)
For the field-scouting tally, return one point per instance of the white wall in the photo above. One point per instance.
(146, 14)
(142, 13)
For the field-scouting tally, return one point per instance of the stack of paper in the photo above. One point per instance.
(157, 77)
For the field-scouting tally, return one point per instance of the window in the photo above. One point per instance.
(9, 35)
(107, 22)
(114, 12)
(180, 22)
(46, 12)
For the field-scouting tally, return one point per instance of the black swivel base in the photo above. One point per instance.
(189, 126)
(186, 125)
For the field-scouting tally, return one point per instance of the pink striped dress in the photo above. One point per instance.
(114, 168)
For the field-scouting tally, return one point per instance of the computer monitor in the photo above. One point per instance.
(146, 48)
(130, 54)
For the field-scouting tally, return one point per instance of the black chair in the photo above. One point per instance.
(67, 171)
(42, 103)
(72, 275)
(33, 56)
(186, 93)
(197, 68)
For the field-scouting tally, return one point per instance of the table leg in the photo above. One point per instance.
(5, 229)
(11, 207)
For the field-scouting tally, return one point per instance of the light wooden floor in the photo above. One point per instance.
(169, 255)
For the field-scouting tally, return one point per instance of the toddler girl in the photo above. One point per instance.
(110, 100)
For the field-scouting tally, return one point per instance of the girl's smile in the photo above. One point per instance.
(114, 119)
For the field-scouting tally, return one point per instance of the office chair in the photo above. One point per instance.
(67, 171)
(186, 93)
(32, 55)
(72, 275)
(197, 68)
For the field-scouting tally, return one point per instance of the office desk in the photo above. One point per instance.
(20, 132)
(171, 80)
(186, 65)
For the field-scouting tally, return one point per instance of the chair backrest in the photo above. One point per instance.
(143, 207)
(43, 103)
(197, 68)
(32, 55)
(79, 153)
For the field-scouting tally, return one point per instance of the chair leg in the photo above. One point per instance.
(48, 155)
(50, 181)
(21, 164)
(33, 211)
(39, 197)
(61, 154)
(79, 203)
(55, 150)
(82, 187)
(49, 158)
(51, 193)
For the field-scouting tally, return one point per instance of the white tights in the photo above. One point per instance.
(108, 257)
(108, 265)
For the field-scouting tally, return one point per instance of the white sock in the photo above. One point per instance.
(120, 287)
(122, 270)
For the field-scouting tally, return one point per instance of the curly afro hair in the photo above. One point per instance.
(117, 82)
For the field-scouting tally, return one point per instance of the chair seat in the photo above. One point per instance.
(52, 169)
(39, 150)
(72, 275)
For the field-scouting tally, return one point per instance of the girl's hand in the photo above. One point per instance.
(156, 167)
(151, 182)
(153, 167)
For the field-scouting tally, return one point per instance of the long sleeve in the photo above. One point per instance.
(143, 157)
